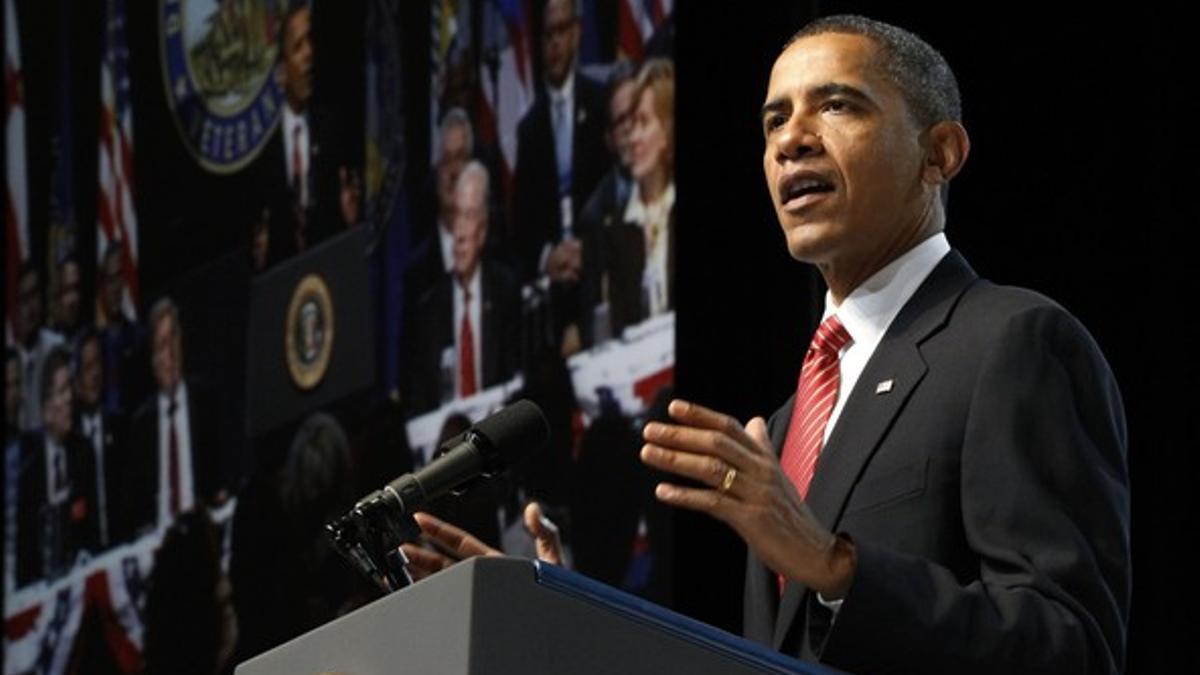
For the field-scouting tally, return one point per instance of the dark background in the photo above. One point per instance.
(1080, 185)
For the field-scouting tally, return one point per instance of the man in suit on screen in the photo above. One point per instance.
(175, 464)
(103, 431)
(561, 158)
(311, 192)
(947, 492)
(56, 516)
(466, 324)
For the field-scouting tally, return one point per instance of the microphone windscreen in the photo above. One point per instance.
(517, 431)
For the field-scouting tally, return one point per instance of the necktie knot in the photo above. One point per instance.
(830, 338)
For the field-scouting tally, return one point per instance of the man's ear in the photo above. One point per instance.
(947, 147)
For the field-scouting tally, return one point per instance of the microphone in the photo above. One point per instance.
(496, 442)
(369, 535)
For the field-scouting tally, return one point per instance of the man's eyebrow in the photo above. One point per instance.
(832, 89)
(774, 105)
(820, 93)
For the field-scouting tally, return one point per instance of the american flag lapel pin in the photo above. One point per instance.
(885, 386)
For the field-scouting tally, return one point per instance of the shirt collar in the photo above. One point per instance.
(180, 398)
(291, 119)
(474, 283)
(567, 90)
(637, 211)
(870, 308)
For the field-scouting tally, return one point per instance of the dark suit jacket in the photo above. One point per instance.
(323, 217)
(625, 264)
(139, 482)
(537, 215)
(115, 444)
(604, 209)
(60, 531)
(435, 330)
(987, 494)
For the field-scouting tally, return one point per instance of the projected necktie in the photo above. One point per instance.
(173, 458)
(466, 346)
(297, 166)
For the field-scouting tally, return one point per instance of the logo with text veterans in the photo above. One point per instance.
(218, 62)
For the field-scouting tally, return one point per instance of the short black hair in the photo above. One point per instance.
(918, 70)
(289, 12)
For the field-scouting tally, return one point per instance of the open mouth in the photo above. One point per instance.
(801, 189)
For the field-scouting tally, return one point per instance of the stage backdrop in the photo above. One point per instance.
(264, 256)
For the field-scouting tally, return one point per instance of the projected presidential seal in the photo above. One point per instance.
(308, 335)
(218, 66)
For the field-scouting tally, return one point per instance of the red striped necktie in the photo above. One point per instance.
(815, 397)
(466, 354)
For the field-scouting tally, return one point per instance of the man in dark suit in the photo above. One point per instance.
(433, 257)
(311, 192)
(174, 437)
(103, 431)
(55, 498)
(560, 160)
(467, 322)
(951, 493)
(124, 374)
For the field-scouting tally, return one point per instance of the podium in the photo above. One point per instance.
(509, 615)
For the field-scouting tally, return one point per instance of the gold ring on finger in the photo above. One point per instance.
(727, 482)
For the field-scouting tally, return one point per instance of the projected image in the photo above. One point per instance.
(265, 256)
(543, 261)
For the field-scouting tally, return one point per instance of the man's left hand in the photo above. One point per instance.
(746, 488)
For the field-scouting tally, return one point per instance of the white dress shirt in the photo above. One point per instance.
(58, 483)
(562, 123)
(867, 312)
(32, 359)
(291, 122)
(183, 437)
(92, 427)
(655, 220)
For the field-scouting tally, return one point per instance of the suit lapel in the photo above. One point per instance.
(489, 348)
(868, 416)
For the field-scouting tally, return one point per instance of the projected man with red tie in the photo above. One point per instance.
(174, 434)
(467, 322)
(947, 490)
(312, 191)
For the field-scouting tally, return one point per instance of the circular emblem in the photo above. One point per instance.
(218, 66)
(308, 335)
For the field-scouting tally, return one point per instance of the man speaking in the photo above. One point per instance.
(947, 490)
